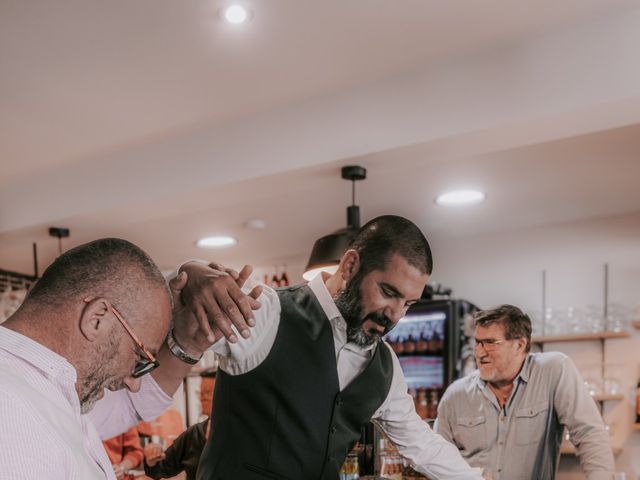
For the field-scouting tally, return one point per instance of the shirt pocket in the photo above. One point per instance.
(530, 423)
(471, 434)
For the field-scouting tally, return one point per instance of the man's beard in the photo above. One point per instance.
(349, 302)
(96, 381)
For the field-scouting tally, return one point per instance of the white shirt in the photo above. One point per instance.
(430, 453)
(42, 432)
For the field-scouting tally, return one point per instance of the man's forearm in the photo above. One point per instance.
(171, 372)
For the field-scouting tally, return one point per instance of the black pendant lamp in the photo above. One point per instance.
(328, 250)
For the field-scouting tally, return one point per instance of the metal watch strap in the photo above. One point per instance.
(178, 351)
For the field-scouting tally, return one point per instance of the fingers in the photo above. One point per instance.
(176, 285)
(203, 322)
(153, 454)
(222, 323)
(255, 293)
(235, 305)
(216, 290)
(232, 273)
(244, 275)
(244, 304)
(219, 268)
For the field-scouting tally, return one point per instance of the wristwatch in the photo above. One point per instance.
(179, 352)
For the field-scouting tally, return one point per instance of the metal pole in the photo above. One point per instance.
(605, 312)
(544, 300)
(606, 291)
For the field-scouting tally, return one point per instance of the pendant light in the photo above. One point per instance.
(328, 250)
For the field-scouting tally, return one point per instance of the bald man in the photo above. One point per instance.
(93, 326)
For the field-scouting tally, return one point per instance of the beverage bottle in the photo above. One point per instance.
(410, 345)
(438, 342)
(350, 469)
(422, 408)
(432, 406)
(422, 346)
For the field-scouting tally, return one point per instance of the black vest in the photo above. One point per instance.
(287, 419)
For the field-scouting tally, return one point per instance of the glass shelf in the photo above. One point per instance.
(580, 337)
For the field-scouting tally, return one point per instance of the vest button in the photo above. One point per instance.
(329, 459)
(334, 429)
(339, 401)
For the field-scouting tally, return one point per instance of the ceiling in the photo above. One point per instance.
(156, 122)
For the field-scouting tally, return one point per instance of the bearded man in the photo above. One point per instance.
(291, 400)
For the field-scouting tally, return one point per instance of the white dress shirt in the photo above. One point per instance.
(42, 432)
(429, 453)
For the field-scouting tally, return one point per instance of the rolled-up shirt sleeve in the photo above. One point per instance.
(118, 411)
(427, 451)
(578, 412)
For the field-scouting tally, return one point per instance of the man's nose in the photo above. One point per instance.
(395, 311)
(132, 384)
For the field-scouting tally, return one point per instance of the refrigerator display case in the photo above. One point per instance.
(433, 349)
(432, 344)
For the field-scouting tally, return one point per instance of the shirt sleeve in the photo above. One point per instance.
(175, 455)
(247, 353)
(442, 425)
(118, 411)
(428, 452)
(578, 412)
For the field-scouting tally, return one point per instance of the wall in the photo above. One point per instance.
(507, 268)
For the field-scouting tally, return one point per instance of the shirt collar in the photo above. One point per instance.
(330, 309)
(49, 362)
(525, 371)
(323, 296)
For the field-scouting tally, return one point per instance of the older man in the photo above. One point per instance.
(91, 327)
(509, 415)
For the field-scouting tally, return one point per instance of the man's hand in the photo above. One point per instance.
(119, 471)
(153, 454)
(212, 296)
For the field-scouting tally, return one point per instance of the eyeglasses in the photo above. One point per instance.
(489, 344)
(144, 365)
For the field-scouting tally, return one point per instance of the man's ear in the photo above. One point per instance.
(93, 319)
(523, 344)
(349, 265)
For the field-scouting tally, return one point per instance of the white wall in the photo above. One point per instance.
(506, 268)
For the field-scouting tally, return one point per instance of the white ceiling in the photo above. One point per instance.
(154, 121)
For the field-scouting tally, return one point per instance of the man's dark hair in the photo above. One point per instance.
(516, 323)
(109, 267)
(384, 236)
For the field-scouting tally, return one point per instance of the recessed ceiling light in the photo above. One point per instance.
(460, 197)
(236, 14)
(220, 241)
(255, 224)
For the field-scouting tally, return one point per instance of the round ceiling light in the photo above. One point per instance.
(460, 197)
(236, 14)
(220, 241)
